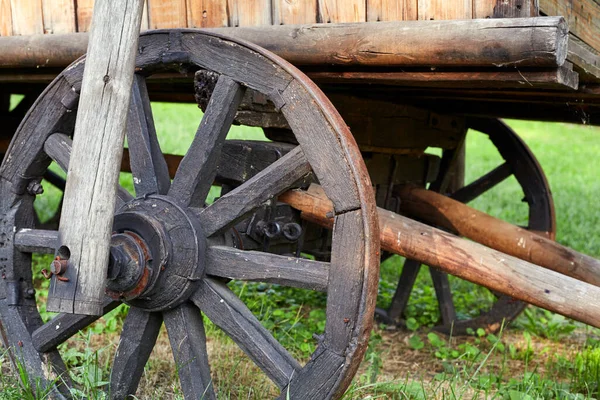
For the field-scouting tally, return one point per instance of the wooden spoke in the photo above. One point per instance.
(188, 342)
(410, 270)
(229, 313)
(197, 170)
(270, 182)
(55, 180)
(232, 263)
(444, 296)
(148, 166)
(58, 147)
(140, 331)
(62, 327)
(36, 241)
(483, 184)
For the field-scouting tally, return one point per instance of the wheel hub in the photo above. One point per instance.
(157, 254)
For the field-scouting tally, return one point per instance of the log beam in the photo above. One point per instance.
(468, 260)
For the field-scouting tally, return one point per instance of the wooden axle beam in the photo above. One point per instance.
(468, 260)
(482, 228)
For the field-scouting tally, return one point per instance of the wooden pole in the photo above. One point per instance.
(468, 260)
(442, 211)
(90, 194)
(522, 42)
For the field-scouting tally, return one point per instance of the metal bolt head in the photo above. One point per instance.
(34, 188)
(58, 267)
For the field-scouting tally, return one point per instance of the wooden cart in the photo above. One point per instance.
(404, 76)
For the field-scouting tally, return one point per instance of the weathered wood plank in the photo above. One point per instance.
(207, 13)
(253, 266)
(6, 28)
(198, 168)
(586, 59)
(148, 166)
(249, 12)
(483, 8)
(331, 11)
(59, 146)
(165, 14)
(560, 78)
(89, 203)
(583, 17)
(188, 343)
(230, 314)
(441, 10)
(265, 185)
(84, 14)
(27, 17)
(286, 12)
(391, 10)
(139, 334)
(36, 241)
(516, 9)
(59, 16)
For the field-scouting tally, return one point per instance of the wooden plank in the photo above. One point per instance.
(84, 14)
(331, 11)
(583, 17)
(586, 59)
(391, 10)
(294, 12)
(89, 201)
(27, 17)
(440, 10)
(59, 16)
(206, 13)
(165, 14)
(483, 8)
(516, 9)
(249, 12)
(6, 28)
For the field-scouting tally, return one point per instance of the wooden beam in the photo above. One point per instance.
(90, 194)
(468, 260)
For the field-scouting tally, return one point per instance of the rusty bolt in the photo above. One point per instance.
(58, 266)
(35, 187)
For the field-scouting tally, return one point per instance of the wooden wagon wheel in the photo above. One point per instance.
(519, 162)
(168, 253)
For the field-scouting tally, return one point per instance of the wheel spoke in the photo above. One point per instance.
(229, 313)
(58, 147)
(444, 296)
(227, 262)
(140, 331)
(197, 170)
(148, 166)
(483, 184)
(188, 342)
(270, 182)
(410, 270)
(36, 241)
(62, 327)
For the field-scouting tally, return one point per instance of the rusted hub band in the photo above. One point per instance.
(157, 254)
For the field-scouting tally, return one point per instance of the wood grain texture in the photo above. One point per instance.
(6, 28)
(483, 8)
(253, 266)
(286, 12)
(36, 241)
(391, 10)
(230, 314)
(85, 9)
(470, 261)
(331, 11)
(164, 14)
(59, 16)
(86, 220)
(27, 17)
(516, 9)
(249, 12)
(441, 10)
(583, 17)
(207, 13)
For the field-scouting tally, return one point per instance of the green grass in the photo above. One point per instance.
(466, 368)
